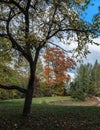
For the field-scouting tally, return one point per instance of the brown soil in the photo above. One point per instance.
(88, 102)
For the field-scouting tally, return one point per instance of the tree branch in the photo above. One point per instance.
(14, 43)
(13, 87)
(69, 51)
(77, 30)
(14, 3)
(72, 29)
(34, 6)
(3, 35)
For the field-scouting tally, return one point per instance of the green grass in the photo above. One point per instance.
(41, 99)
(48, 117)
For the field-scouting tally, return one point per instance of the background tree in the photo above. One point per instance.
(15, 79)
(56, 67)
(87, 81)
(96, 77)
(29, 25)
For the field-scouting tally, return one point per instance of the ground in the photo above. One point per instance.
(88, 102)
(47, 116)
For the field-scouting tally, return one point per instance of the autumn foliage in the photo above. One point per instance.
(56, 66)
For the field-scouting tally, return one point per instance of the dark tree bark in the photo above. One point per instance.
(29, 95)
(28, 102)
(13, 87)
(30, 87)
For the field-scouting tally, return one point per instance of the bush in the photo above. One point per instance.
(59, 91)
(78, 94)
(11, 94)
(54, 90)
(44, 90)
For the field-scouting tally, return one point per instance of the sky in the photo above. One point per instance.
(95, 53)
(91, 10)
(95, 50)
(88, 15)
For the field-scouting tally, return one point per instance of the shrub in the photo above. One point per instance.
(78, 94)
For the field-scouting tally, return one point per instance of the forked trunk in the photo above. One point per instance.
(30, 89)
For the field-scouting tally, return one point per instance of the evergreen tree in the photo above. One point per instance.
(96, 76)
(84, 81)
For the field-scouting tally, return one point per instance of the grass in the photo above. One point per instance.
(41, 100)
(48, 117)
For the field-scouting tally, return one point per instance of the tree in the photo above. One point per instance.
(95, 76)
(84, 78)
(84, 81)
(55, 69)
(5, 73)
(29, 25)
(56, 66)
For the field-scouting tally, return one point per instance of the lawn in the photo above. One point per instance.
(48, 117)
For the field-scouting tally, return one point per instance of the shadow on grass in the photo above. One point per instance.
(49, 117)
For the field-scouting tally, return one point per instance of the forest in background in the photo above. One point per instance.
(52, 78)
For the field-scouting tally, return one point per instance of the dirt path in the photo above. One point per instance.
(88, 102)
(98, 98)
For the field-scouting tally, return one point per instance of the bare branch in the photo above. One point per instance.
(22, 90)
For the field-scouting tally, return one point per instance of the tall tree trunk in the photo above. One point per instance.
(29, 94)
(30, 88)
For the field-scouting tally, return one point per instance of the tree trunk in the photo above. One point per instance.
(30, 90)
(28, 102)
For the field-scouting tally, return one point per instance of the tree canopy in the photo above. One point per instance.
(56, 66)
(29, 25)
